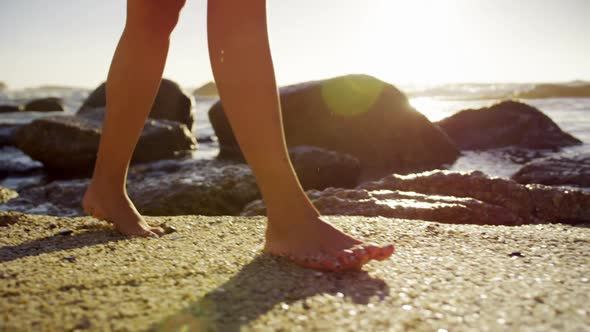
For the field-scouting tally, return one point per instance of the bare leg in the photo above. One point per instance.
(132, 84)
(242, 66)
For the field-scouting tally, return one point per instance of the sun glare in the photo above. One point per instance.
(414, 41)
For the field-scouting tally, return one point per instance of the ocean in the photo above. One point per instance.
(435, 102)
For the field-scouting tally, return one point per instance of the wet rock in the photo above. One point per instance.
(509, 123)
(50, 104)
(7, 132)
(579, 90)
(562, 170)
(171, 103)
(7, 194)
(9, 108)
(196, 187)
(161, 188)
(358, 115)
(452, 197)
(68, 145)
(319, 168)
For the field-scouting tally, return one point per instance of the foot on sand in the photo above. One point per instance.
(117, 209)
(318, 245)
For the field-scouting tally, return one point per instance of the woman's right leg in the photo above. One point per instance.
(132, 84)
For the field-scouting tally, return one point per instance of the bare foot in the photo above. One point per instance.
(314, 243)
(117, 209)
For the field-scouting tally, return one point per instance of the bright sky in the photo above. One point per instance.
(71, 42)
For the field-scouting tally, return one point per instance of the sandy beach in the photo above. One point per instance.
(77, 274)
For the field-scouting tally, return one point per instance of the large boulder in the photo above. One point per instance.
(561, 170)
(452, 197)
(50, 104)
(506, 124)
(319, 168)
(171, 103)
(359, 115)
(572, 90)
(68, 144)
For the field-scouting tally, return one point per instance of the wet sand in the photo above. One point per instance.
(77, 274)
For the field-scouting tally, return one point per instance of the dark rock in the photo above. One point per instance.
(509, 123)
(170, 104)
(50, 104)
(7, 194)
(7, 132)
(168, 187)
(452, 197)
(358, 115)
(579, 90)
(9, 108)
(318, 168)
(562, 170)
(67, 145)
(64, 232)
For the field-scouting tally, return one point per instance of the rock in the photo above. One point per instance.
(68, 144)
(358, 115)
(562, 170)
(170, 104)
(576, 90)
(196, 187)
(7, 194)
(509, 123)
(319, 168)
(50, 104)
(167, 187)
(9, 108)
(7, 132)
(452, 197)
(208, 89)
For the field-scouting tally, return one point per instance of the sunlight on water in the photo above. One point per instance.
(429, 107)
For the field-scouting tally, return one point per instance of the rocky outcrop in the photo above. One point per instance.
(168, 187)
(506, 124)
(358, 115)
(577, 90)
(68, 144)
(562, 170)
(50, 104)
(318, 168)
(452, 197)
(171, 103)
(7, 194)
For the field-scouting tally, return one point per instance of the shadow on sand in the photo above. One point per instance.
(261, 285)
(59, 242)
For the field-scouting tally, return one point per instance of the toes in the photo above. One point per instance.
(159, 231)
(384, 252)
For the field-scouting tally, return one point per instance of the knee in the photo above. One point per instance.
(157, 17)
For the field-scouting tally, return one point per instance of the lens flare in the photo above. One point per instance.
(351, 95)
